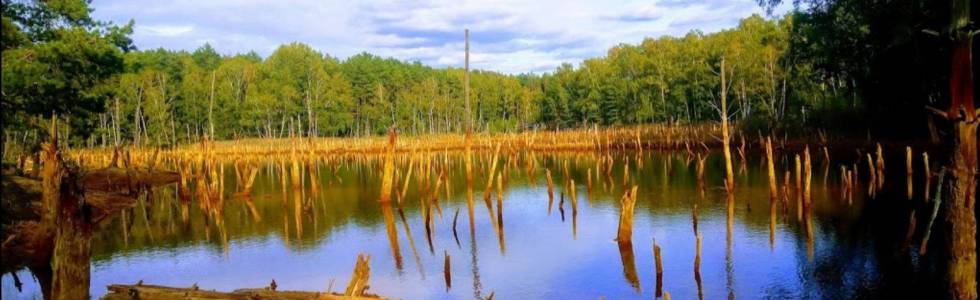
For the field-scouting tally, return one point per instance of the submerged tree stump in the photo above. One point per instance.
(387, 177)
(55, 238)
(625, 233)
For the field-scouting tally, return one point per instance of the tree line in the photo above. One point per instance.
(111, 94)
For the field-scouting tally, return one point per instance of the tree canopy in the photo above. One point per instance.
(811, 67)
(57, 60)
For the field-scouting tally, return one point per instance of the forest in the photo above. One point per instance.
(166, 97)
(106, 146)
(815, 67)
(819, 67)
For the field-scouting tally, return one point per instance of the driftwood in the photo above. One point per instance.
(149, 292)
(356, 289)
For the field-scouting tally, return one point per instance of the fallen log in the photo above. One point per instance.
(356, 289)
(120, 180)
(150, 292)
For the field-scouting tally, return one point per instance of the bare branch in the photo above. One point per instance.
(937, 112)
(710, 68)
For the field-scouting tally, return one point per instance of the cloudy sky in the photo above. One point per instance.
(507, 36)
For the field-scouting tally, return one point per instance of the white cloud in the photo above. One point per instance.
(163, 30)
(390, 40)
(509, 35)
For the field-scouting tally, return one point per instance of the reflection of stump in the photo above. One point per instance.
(72, 250)
(660, 268)
(390, 230)
(697, 265)
(446, 272)
(551, 189)
(629, 264)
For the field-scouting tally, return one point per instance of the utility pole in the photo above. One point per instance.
(466, 84)
(469, 119)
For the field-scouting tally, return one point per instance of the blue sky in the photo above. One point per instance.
(506, 36)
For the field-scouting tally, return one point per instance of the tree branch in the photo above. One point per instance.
(937, 112)
(930, 32)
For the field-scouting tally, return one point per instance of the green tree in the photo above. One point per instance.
(55, 56)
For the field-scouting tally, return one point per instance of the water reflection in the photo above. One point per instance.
(301, 223)
(629, 264)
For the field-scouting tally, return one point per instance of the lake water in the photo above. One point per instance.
(308, 240)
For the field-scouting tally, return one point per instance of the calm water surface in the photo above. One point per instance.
(308, 240)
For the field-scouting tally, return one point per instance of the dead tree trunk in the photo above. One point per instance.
(63, 211)
(960, 216)
(726, 139)
(211, 108)
(72, 251)
(466, 99)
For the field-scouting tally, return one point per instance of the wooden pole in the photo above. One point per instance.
(466, 114)
(466, 82)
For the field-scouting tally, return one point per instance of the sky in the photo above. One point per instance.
(507, 36)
